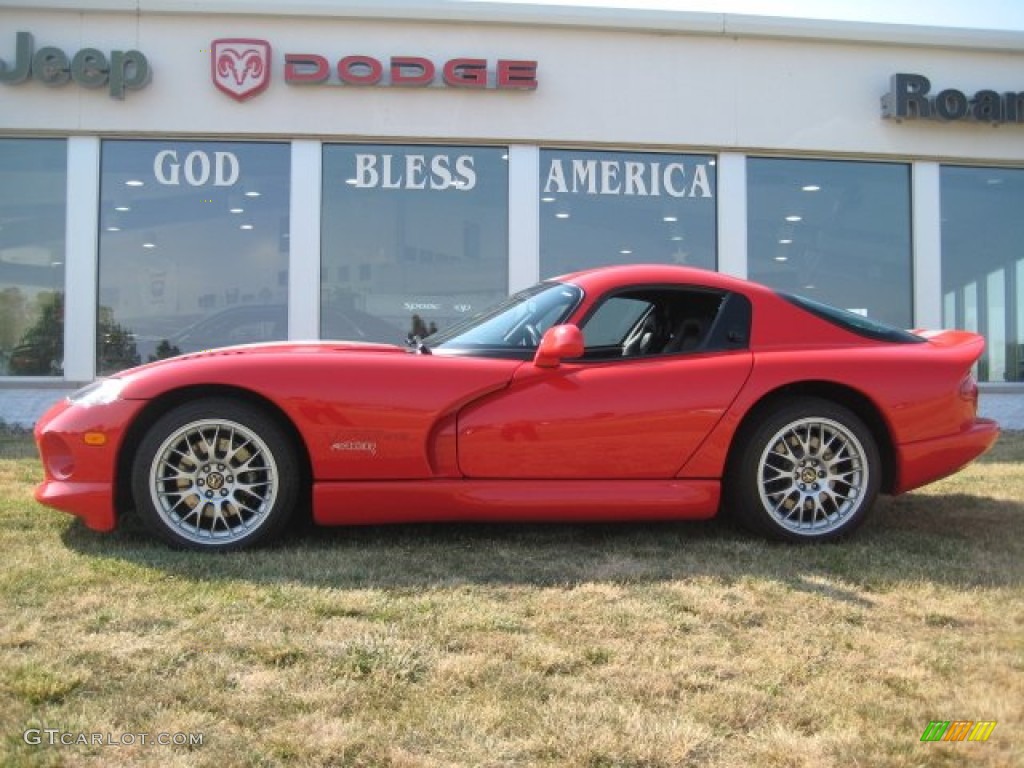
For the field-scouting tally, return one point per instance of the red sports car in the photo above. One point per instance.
(624, 393)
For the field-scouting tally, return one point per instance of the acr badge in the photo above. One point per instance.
(240, 66)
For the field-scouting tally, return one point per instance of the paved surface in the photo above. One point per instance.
(23, 406)
(1005, 407)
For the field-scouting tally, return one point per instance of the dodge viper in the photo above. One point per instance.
(621, 393)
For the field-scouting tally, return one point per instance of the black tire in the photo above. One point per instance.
(216, 475)
(807, 469)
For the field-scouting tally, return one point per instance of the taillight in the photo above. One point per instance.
(969, 389)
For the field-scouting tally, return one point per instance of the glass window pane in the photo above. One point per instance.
(414, 238)
(33, 193)
(982, 237)
(193, 248)
(995, 322)
(1016, 309)
(949, 315)
(611, 322)
(834, 231)
(971, 307)
(518, 322)
(601, 208)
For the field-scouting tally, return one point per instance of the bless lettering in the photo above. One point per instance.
(414, 172)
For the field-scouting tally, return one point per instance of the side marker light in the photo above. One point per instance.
(94, 438)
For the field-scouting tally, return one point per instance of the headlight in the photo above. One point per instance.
(99, 392)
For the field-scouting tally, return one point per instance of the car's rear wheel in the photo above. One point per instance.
(215, 474)
(807, 470)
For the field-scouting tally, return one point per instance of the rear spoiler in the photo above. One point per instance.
(964, 346)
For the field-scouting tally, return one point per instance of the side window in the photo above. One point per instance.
(613, 320)
(666, 321)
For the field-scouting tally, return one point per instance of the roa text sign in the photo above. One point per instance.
(910, 97)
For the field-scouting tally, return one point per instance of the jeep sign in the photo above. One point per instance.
(90, 67)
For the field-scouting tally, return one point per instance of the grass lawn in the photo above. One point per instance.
(598, 647)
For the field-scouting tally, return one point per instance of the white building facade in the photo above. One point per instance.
(176, 176)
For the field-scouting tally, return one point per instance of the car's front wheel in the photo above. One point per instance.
(808, 470)
(215, 474)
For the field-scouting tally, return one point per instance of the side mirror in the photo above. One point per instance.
(559, 343)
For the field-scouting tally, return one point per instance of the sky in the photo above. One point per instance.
(978, 14)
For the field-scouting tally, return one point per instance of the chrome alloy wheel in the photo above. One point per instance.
(213, 481)
(812, 476)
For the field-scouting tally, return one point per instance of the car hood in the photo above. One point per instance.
(262, 354)
(324, 371)
(274, 348)
(301, 346)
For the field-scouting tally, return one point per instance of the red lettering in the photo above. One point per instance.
(360, 70)
(411, 70)
(466, 73)
(517, 74)
(305, 68)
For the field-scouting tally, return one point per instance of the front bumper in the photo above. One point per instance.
(79, 448)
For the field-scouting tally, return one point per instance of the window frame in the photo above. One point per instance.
(734, 309)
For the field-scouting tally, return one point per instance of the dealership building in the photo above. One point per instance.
(177, 176)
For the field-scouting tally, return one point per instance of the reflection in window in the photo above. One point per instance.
(193, 248)
(519, 321)
(983, 263)
(33, 193)
(414, 238)
(1016, 361)
(614, 319)
(602, 208)
(834, 231)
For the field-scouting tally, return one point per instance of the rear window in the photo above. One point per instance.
(851, 321)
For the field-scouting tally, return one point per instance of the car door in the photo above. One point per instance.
(631, 415)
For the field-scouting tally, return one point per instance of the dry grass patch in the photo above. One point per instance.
(588, 646)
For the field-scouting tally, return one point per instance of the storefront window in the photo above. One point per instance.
(983, 263)
(414, 238)
(835, 231)
(602, 208)
(33, 193)
(193, 248)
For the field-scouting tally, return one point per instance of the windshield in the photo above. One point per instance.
(518, 322)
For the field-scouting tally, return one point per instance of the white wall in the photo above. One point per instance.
(597, 86)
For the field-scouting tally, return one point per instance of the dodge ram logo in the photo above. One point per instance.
(240, 67)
